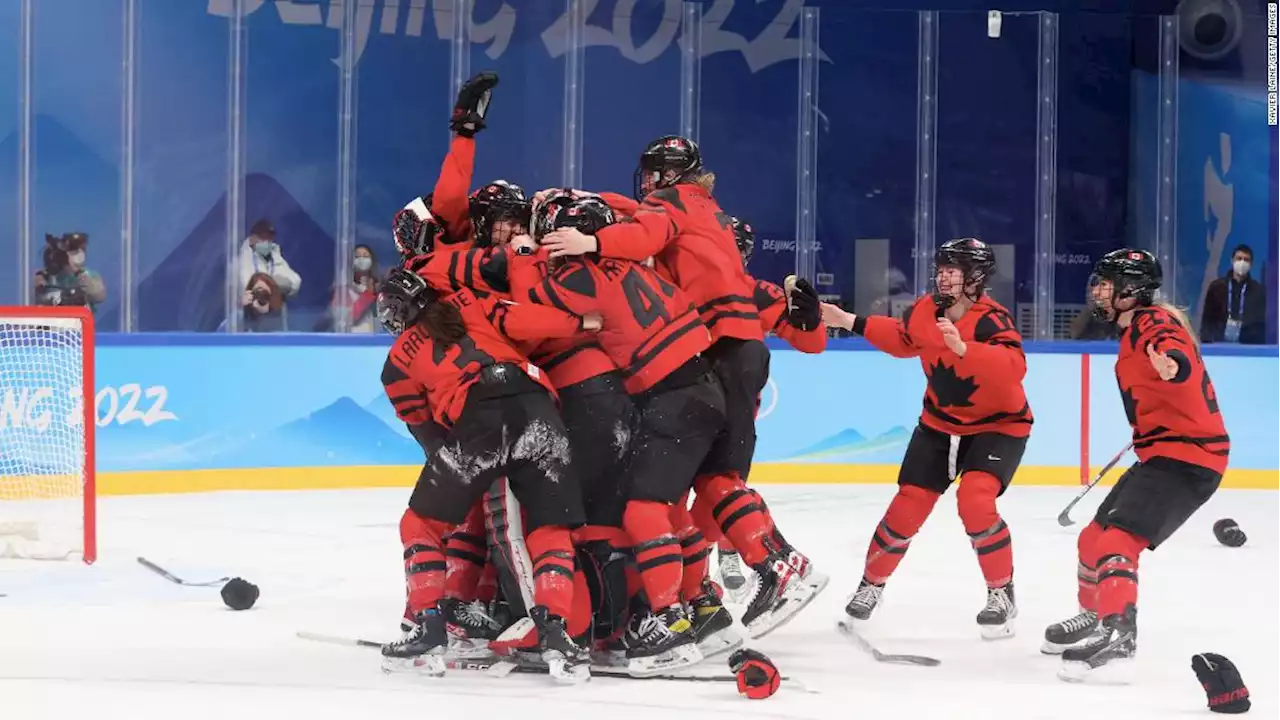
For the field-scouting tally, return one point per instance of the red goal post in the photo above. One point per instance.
(47, 423)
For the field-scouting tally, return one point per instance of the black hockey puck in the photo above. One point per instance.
(239, 594)
(1229, 533)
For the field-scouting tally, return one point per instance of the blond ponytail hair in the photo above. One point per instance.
(1181, 316)
(706, 181)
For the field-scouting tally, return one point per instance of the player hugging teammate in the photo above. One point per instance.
(652, 371)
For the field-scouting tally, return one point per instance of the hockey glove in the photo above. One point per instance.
(758, 677)
(805, 308)
(1229, 533)
(473, 104)
(1222, 683)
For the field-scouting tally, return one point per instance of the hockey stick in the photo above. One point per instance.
(849, 631)
(501, 668)
(174, 578)
(1064, 517)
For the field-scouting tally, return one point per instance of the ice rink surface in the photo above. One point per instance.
(115, 641)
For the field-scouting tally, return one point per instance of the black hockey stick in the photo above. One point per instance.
(849, 631)
(501, 668)
(174, 578)
(1064, 517)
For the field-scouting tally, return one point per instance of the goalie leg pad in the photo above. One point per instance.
(505, 529)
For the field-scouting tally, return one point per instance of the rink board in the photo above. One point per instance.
(186, 413)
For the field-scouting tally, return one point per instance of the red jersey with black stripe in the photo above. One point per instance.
(771, 302)
(649, 326)
(1177, 418)
(451, 268)
(980, 392)
(567, 361)
(691, 241)
(429, 381)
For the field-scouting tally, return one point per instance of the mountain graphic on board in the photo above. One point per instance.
(380, 407)
(342, 433)
(849, 443)
(193, 277)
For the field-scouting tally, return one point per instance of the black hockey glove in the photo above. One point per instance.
(806, 308)
(473, 104)
(758, 677)
(1222, 683)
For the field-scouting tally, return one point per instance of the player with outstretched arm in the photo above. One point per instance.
(1181, 443)
(973, 428)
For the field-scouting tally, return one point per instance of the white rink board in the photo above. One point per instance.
(115, 641)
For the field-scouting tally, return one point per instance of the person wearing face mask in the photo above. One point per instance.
(260, 254)
(1235, 305)
(361, 295)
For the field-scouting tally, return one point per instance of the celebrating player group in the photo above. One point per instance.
(583, 372)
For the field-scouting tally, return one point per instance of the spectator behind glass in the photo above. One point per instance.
(361, 295)
(263, 305)
(64, 279)
(1235, 305)
(261, 255)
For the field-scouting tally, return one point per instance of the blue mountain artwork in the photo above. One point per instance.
(849, 443)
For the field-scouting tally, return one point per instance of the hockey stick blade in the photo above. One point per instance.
(502, 668)
(1064, 517)
(174, 578)
(852, 633)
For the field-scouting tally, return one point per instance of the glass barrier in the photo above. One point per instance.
(15, 275)
(529, 139)
(988, 159)
(398, 133)
(869, 145)
(748, 121)
(639, 66)
(180, 110)
(281, 254)
(74, 240)
(1094, 143)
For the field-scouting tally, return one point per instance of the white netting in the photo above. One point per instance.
(42, 437)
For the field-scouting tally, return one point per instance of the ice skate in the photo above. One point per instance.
(808, 573)
(995, 621)
(423, 651)
(781, 594)
(863, 602)
(1069, 633)
(470, 628)
(660, 642)
(713, 628)
(1106, 656)
(567, 661)
(737, 579)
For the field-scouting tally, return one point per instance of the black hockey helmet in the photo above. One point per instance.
(666, 161)
(588, 214)
(497, 201)
(1132, 273)
(416, 230)
(402, 297)
(975, 259)
(745, 237)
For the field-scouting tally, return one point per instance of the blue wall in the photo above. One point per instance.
(199, 402)
(179, 126)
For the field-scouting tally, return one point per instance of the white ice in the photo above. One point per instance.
(114, 640)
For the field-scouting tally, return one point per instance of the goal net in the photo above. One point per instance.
(47, 421)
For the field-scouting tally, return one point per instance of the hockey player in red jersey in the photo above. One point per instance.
(655, 336)
(690, 239)
(452, 368)
(973, 429)
(1182, 446)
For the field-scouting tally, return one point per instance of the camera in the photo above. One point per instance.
(1209, 29)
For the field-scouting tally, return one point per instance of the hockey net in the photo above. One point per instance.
(47, 422)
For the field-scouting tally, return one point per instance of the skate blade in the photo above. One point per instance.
(609, 659)
(1051, 648)
(565, 673)
(677, 658)
(719, 643)
(424, 665)
(1004, 631)
(469, 649)
(1115, 672)
(792, 604)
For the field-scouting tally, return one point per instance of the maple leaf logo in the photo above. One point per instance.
(950, 389)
